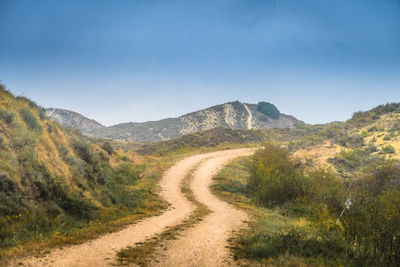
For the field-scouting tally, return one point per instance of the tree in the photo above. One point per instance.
(268, 110)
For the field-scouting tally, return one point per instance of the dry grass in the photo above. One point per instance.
(319, 154)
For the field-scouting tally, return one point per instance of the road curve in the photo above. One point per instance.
(102, 251)
(206, 244)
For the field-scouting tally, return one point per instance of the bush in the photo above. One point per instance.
(274, 177)
(30, 120)
(31, 103)
(353, 159)
(24, 138)
(108, 147)
(6, 116)
(355, 140)
(126, 174)
(42, 113)
(7, 185)
(268, 110)
(372, 224)
(389, 149)
(395, 127)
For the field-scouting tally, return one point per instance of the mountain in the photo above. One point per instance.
(232, 115)
(73, 120)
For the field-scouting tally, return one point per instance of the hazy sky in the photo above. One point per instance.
(127, 60)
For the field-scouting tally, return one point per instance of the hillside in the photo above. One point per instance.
(329, 198)
(232, 115)
(349, 146)
(53, 179)
(73, 120)
(207, 138)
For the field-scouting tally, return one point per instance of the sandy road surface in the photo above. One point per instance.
(206, 244)
(102, 251)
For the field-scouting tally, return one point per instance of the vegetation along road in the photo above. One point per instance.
(203, 245)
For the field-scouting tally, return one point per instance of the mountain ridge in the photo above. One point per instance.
(232, 115)
(73, 120)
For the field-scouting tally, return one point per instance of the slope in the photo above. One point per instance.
(54, 180)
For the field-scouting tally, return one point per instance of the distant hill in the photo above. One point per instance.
(207, 138)
(73, 120)
(232, 115)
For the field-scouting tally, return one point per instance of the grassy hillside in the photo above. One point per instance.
(54, 181)
(348, 145)
(330, 198)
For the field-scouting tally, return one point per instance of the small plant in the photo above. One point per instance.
(364, 134)
(30, 120)
(108, 147)
(389, 149)
(371, 148)
(7, 185)
(355, 140)
(6, 116)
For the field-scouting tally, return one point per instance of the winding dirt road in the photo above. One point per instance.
(206, 244)
(203, 245)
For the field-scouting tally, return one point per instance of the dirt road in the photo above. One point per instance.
(207, 239)
(206, 244)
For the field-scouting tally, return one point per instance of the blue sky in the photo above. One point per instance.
(127, 60)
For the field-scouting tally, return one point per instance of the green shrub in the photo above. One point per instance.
(24, 138)
(388, 149)
(108, 147)
(30, 120)
(6, 116)
(31, 103)
(372, 224)
(355, 140)
(274, 177)
(7, 185)
(352, 159)
(42, 113)
(333, 131)
(126, 174)
(268, 110)
(371, 148)
(395, 127)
